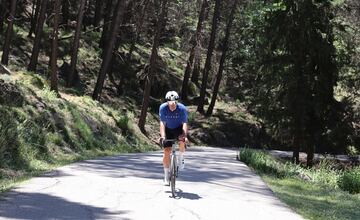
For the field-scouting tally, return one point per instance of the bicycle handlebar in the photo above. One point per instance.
(174, 140)
(171, 140)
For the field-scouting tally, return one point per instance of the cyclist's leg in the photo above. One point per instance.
(169, 134)
(179, 135)
(166, 164)
(182, 154)
(166, 155)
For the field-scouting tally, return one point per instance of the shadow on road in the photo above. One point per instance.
(30, 206)
(184, 195)
(187, 195)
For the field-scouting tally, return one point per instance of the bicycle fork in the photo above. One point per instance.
(174, 163)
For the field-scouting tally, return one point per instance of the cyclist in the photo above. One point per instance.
(173, 125)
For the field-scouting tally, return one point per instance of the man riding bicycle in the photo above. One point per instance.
(173, 125)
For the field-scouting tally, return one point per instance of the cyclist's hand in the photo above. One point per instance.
(161, 141)
(183, 139)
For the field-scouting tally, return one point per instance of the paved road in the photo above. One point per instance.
(213, 186)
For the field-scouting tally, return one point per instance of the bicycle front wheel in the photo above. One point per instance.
(173, 175)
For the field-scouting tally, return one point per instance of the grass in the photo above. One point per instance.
(48, 131)
(318, 197)
(313, 201)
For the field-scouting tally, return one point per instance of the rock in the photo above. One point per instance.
(64, 71)
(202, 136)
(59, 122)
(218, 135)
(219, 138)
(303, 176)
(10, 95)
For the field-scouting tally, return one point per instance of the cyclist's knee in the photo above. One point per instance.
(182, 146)
(167, 150)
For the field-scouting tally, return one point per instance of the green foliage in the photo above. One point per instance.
(324, 174)
(9, 138)
(285, 68)
(261, 162)
(123, 122)
(85, 137)
(313, 197)
(191, 116)
(313, 201)
(54, 138)
(350, 181)
(352, 151)
(48, 131)
(48, 95)
(32, 138)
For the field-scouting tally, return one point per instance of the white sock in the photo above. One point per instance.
(166, 173)
(181, 156)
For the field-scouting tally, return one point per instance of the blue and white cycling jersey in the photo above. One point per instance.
(173, 119)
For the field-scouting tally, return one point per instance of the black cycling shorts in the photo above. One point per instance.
(172, 134)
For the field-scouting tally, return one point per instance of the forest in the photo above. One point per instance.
(292, 66)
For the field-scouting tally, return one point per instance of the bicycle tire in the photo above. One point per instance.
(173, 175)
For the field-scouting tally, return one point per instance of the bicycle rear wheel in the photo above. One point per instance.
(173, 175)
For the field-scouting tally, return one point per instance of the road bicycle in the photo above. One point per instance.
(174, 167)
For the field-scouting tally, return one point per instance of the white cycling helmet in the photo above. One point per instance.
(171, 96)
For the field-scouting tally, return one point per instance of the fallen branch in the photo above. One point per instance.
(4, 70)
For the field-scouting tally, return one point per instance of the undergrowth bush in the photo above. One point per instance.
(9, 137)
(32, 137)
(83, 130)
(350, 181)
(324, 173)
(262, 162)
(123, 122)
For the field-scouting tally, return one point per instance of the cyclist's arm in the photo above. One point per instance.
(185, 129)
(184, 122)
(162, 129)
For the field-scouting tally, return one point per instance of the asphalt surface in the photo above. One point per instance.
(213, 185)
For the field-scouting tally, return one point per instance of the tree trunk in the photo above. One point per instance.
(109, 49)
(38, 33)
(75, 47)
(138, 28)
(106, 26)
(54, 48)
(222, 59)
(129, 13)
(34, 18)
(197, 60)
(313, 131)
(112, 64)
(9, 32)
(87, 21)
(33, 11)
(298, 105)
(197, 67)
(98, 12)
(211, 47)
(296, 149)
(2, 14)
(310, 155)
(153, 56)
(196, 42)
(65, 11)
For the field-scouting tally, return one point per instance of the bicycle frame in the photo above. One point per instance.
(174, 168)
